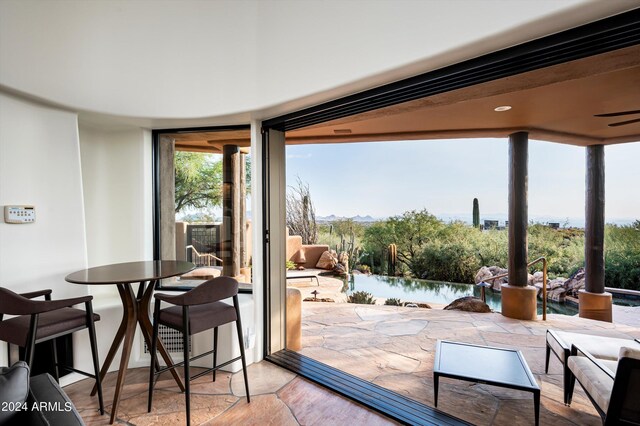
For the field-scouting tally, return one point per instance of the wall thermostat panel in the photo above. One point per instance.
(19, 214)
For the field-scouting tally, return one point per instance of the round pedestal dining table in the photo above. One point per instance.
(136, 309)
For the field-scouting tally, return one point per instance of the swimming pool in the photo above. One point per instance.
(416, 290)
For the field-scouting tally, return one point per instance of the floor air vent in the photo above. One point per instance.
(172, 340)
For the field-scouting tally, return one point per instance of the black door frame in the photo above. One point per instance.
(155, 167)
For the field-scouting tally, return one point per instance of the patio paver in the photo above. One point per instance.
(394, 347)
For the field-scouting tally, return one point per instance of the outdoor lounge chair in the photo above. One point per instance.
(600, 347)
(613, 389)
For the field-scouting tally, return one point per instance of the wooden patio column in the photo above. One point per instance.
(595, 303)
(167, 175)
(518, 298)
(230, 211)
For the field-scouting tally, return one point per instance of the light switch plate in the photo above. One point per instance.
(19, 214)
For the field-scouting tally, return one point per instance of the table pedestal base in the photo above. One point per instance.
(136, 311)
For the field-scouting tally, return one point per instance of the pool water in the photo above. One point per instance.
(416, 290)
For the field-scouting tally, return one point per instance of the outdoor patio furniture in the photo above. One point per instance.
(464, 361)
(45, 320)
(601, 347)
(192, 312)
(613, 391)
(294, 276)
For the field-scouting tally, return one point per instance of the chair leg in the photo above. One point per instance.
(154, 355)
(187, 374)
(569, 384)
(54, 355)
(94, 353)
(546, 360)
(215, 350)
(31, 341)
(241, 342)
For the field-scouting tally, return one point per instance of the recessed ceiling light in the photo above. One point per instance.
(502, 108)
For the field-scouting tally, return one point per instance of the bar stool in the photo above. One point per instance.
(192, 312)
(45, 320)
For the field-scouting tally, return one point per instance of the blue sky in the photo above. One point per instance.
(388, 178)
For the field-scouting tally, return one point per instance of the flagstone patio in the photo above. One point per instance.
(278, 397)
(394, 347)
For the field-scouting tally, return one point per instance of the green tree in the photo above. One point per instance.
(198, 181)
(410, 232)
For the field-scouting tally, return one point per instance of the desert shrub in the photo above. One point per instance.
(429, 248)
(361, 298)
(563, 248)
(290, 265)
(622, 256)
(493, 248)
(392, 301)
(455, 261)
(365, 269)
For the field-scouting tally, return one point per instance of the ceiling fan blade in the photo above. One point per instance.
(617, 114)
(622, 123)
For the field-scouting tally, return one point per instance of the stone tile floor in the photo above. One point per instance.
(390, 346)
(394, 347)
(278, 398)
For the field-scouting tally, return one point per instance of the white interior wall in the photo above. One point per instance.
(40, 166)
(191, 58)
(117, 186)
(117, 175)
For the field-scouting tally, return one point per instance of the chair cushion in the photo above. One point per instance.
(629, 352)
(15, 330)
(201, 317)
(594, 381)
(600, 347)
(56, 407)
(14, 389)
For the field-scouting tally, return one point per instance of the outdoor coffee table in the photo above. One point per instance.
(506, 368)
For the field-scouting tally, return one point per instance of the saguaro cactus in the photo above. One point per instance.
(476, 213)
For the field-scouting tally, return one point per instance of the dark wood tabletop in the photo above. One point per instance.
(130, 272)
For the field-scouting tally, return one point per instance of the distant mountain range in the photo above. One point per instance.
(500, 217)
(358, 218)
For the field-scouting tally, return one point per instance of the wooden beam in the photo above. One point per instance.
(230, 244)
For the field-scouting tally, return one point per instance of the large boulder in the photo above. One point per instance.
(537, 277)
(468, 304)
(487, 272)
(483, 274)
(575, 283)
(556, 290)
(340, 269)
(328, 260)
